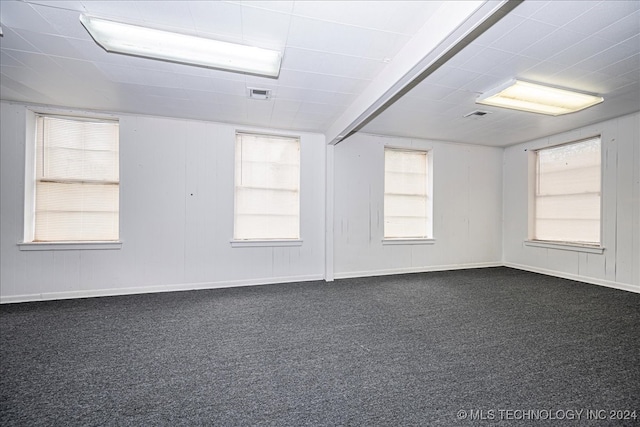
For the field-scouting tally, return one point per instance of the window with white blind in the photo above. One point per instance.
(76, 180)
(407, 213)
(566, 200)
(267, 187)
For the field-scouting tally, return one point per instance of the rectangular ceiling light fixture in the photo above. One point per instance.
(535, 98)
(182, 48)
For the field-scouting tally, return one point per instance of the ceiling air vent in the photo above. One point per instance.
(261, 94)
(476, 114)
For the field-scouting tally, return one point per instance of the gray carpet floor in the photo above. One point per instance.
(443, 348)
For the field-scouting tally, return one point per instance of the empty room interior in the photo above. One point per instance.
(320, 212)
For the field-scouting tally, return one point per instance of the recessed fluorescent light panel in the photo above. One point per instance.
(174, 47)
(535, 98)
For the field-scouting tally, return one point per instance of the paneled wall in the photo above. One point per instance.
(619, 264)
(467, 208)
(177, 213)
(176, 222)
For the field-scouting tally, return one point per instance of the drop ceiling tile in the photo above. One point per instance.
(125, 11)
(455, 77)
(321, 110)
(6, 60)
(524, 35)
(485, 82)
(487, 58)
(12, 89)
(602, 15)
(430, 91)
(264, 28)
(216, 98)
(343, 39)
(596, 83)
(460, 97)
(50, 44)
(205, 84)
(542, 71)
(90, 51)
(81, 71)
(311, 95)
(75, 6)
(168, 14)
(36, 61)
(465, 55)
(606, 57)
(405, 17)
(321, 82)
(121, 74)
(65, 22)
(621, 30)
(11, 40)
(529, 8)
(497, 31)
(259, 110)
(514, 67)
(262, 82)
(580, 51)
(273, 5)
(21, 16)
(326, 63)
(157, 91)
(13, 93)
(411, 105)
(550, 44)
(221, 20)
(628, 65)
(559, 13)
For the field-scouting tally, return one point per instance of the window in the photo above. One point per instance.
(407, 207)
(566, 205)
(76, 181)
(267, 187)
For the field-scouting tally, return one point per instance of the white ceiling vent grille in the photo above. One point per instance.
(261, 94)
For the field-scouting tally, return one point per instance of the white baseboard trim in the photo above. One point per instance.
(578, 278)
(48, 296)
(388, 272)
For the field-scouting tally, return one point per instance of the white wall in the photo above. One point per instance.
(176, 206)
(177, 213)
(619, 265)
(467, 208)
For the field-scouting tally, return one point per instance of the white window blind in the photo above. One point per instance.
(405, 194)
(567, 193)
(267, 187)
(77, 180)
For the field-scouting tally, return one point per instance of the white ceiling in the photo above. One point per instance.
(335, 52)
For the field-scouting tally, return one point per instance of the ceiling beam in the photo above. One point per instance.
(454, 25)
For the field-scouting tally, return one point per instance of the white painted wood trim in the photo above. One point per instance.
(329, 213)
(578, 278)
(408, 241)
(68, 246)
(565, 246)
(387, 272)
(265, 243)
(155, 289)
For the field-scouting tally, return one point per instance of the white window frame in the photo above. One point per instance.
(531, 241)
(416, 240)
(28, 243)
(257, 241)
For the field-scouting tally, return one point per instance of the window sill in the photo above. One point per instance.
(265, 243)
(565, 246)
(68, 246)
(408, 241)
